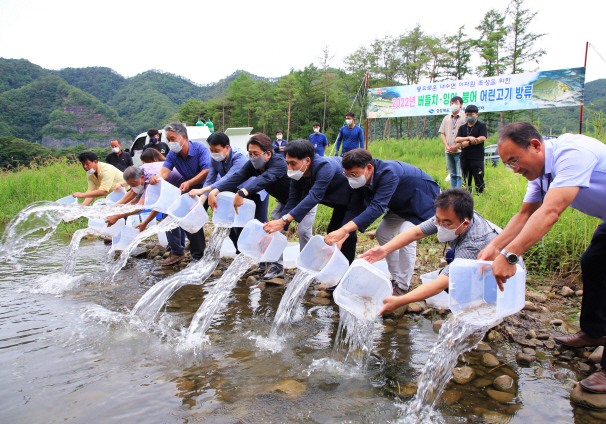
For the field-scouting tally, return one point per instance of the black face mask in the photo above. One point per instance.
(154, 141)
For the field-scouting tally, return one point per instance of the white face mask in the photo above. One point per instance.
(115, 149)
(296, 175)
(445, 234)
(279, 137)
(219, 157)
(455, 108)
(139, 189)
(90, 171)
(316, 130)
(174, 146)
(348, 121)
(357, 182)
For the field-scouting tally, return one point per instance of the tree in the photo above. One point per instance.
(458, 49)
(521, 48)
(490, 45)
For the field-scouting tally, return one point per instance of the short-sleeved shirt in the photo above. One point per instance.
(159, 146)
(450, 127)
(120, 161)
(475, 151)
(574, 160)
(197, 160)
(107, 178)
(319, 141)
(467, 245)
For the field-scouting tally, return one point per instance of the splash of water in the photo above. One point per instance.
(290, 301)
(70, 260)
(217, 295)
(458, 334)
(355, 337)
(165, 225)
(150, 304)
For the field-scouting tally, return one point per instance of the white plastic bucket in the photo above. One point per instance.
(67, 200)
(383, 267)
(190, 213)
(472, 284)
(162, 239)
(161, 195)
(258, 244)
(228, 250)
(226, 216)
(115, 195)
(102, 228)
(440, 300)
(326, 263)
(362, 290)
(291, 253)
(123, 239)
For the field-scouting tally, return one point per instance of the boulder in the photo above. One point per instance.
(502, 397)
(463, 375)
(580, 397)
(525, 359)
(483, 347)
(503, 383)
(489, 360)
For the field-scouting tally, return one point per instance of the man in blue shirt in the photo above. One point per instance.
(318, 139)
(279, 144)
(402, 192)
(567, 172)
(351, 135)
(315, 179)
(192, 160)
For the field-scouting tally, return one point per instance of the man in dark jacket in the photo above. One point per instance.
(402, 192)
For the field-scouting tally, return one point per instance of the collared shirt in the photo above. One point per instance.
(120, 161)
(450, 126)
(225, 168)
(402, 188)
(467, 246)
(159, 146)
(107, 178)
(319, 141)
(574, 160)
(352, 138)
(197, 160)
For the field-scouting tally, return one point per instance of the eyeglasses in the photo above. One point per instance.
(512, 163)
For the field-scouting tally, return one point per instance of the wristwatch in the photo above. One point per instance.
(241, 193)
(285, 219)
(512, 258)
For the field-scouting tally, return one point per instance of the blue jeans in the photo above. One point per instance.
(453, 164)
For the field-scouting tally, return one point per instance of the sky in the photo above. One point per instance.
(205, 42)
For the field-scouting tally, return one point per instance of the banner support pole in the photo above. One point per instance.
(366, 129)
(585, 66)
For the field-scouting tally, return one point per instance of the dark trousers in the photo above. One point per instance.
(176, 240)
(197, 244)
(336, 221)
(473, 168)
(593, 305)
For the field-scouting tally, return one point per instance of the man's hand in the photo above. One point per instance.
(273, 226)
(489, 253)
(111, 220)
(141, 227)
(184, 187)
(390, 303)
(238, 201)
(502, 270)
(465, 144)
(199, 191)
(335, 236)
(212, 199)
(154, 179)
(375, 254)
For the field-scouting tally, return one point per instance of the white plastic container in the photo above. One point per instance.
(226, 216)
(160, 196)
(326, 263)
(68, 200)
(258, 244)
(362, 290)
(228, 250)
(162, 239)
(133, 220)
(472, 284)
(440, 300)
(102, 228)
(190, 212)
(123, 239)
(115, 195)
(291, 253)
(383, 267)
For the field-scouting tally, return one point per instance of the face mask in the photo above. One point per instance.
(279, 136)
(153, 140)
(174, 146)
(357, 182)
(115, 149)
(455, 108)
(316, 130)
(258, 163)
(219, 157)
(90, 171)
(139, 189)
(445, 234)
(295, 175)
(471, 119)
(348, 121)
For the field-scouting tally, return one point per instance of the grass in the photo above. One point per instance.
(560, 252)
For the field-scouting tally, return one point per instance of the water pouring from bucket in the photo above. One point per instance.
(189, 212)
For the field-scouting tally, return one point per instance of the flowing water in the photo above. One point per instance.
(355, 338)
(216, 297)
(70, 259)
(150, 304)
(291, 301)
(77, 356)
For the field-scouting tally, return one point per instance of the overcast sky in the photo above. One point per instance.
(207, 41)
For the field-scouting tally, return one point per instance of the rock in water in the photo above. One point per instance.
(503, 383)
(580, 397)
(463, 375)
(291, 388)
(489, 360)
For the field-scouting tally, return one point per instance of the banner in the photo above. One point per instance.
(533, 90)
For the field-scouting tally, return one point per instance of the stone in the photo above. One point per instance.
(388, 329)
(402, 332)
(451, 396)
(321, 287)
(489, 360)
(494, 417)
(371, 234)
(261, 286)
(494, 336)
(503, 383)
(524, 359)
(583, 367)
(580, 397)
(291, 388)
(543, 336)
(407, 389)
(556, 322)
(217, 273)
(251, 281)
(482, 382)
(277, 281)
(529, 306)
(596, 355)
(166, 255)
(536, 296)
(524, 342)
(549, 344)
(463, 375)
(501, 397)
(436, 325)
(566, 291)
(578, 293)
(531, 334)
(320, 301)
(416, 307)
(483, 347)
(323, 293)
(529, 351)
